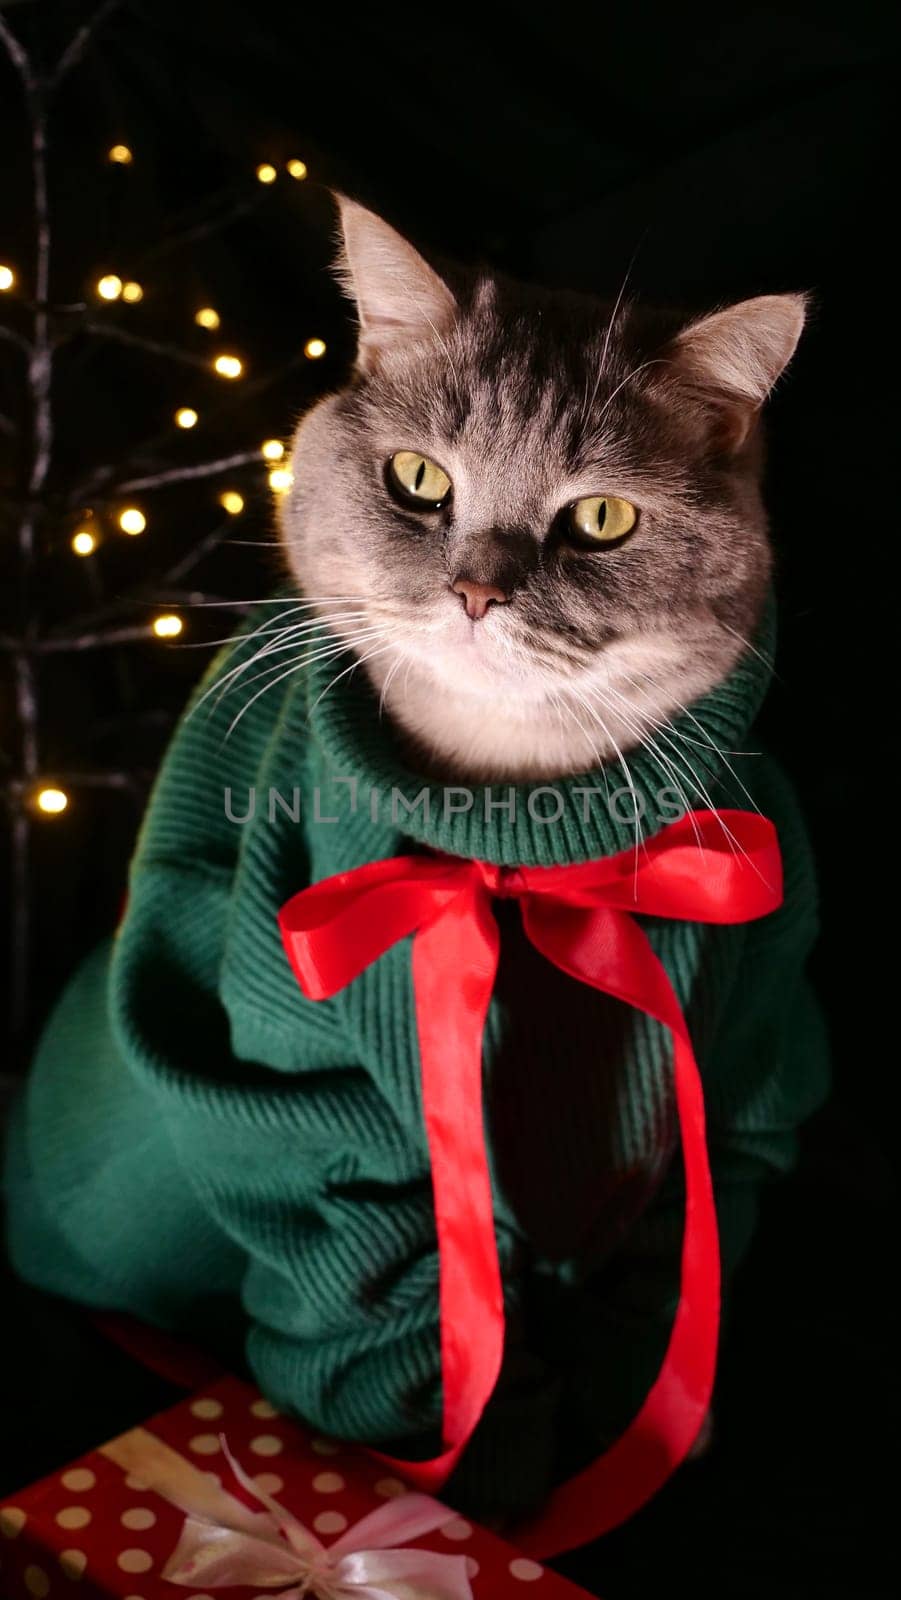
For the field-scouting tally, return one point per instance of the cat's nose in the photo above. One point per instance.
(477, 597)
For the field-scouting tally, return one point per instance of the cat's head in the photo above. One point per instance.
(536, 517)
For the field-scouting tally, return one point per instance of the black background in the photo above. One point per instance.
(724, 155)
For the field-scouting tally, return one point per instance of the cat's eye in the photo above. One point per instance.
(418, 481)
(602, 518)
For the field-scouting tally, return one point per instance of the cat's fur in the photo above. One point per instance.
(530, 400)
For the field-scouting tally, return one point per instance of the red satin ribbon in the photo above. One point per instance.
(721, 868)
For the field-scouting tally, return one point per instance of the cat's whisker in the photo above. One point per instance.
(268, 628)
(200, 605)
(767, 660)
(406, 684)
(586, 404)
(658, 361)
(276, 641)
(593, 748)
(296, 666)
(333, 647)
(639, 838)
(352, 668)
(385, 686)
(734, 844)
(658, 756)
(722, 755)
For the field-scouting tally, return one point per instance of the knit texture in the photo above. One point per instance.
(202, 1146)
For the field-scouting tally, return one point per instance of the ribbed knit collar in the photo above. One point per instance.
(358, 744)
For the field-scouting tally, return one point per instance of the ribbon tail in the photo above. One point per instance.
(299, 1537)
(208, 1557)
(454, 965)
(611, 952)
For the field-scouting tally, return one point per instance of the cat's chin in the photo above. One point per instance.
(501, 723)
(486, 727)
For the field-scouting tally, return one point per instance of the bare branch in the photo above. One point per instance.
(18, 56)
(170, 352)
(76, 47)
(206, 469)
(92, 641)
(101, 483)
(193, 558)
(15, 338)
(211, 223)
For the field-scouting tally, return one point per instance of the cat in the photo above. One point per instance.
(446, 503)
(535, 522)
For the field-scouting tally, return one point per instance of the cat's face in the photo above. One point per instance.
(537, 517)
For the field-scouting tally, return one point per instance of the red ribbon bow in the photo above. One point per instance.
(722, 868)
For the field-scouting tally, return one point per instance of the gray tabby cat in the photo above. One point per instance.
(536, 519)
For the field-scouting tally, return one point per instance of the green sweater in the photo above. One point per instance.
(202, 1146)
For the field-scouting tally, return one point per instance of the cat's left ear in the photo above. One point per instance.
(734, 357)
(399, 297)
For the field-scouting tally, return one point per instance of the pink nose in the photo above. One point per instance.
(477, 597)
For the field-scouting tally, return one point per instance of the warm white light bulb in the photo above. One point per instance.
(272, 449)
(314, 348)
(51, 801)
(131, 520)
(120, 154)
(232, 502)
(266, 172)
(186, 417)
(132, 292)
(297, 169)
(84, 542)
(7, 277)
(109, 287)
(281, 479)
(167, 626)
(206, 317)
(228, 366)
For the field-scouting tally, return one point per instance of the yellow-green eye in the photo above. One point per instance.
(602, 518)
(418, 480)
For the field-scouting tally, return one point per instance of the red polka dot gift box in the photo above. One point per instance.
(221, 1496)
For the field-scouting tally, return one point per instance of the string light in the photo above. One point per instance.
(280, 480)
(297, 169)
(167, 626)
(266, 172)
(206, 317)
(228, 366)
(131, 520)
(83, 542)
(7, 277)
(109, 287)
(51, 801)
(272, 449)
(186, 417)
(232, 502)
(120, 155)
(314, 348)
(132, 292)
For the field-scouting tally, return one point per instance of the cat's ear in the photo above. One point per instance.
(734, 357)
(399, 298)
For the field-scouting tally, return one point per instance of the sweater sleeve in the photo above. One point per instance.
(326, 1199)
(166, 1162)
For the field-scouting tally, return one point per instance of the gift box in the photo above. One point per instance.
(220, 1495)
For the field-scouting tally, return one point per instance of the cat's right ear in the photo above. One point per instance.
(398, 296)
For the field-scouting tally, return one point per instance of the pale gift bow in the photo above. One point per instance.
(228, 1544)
